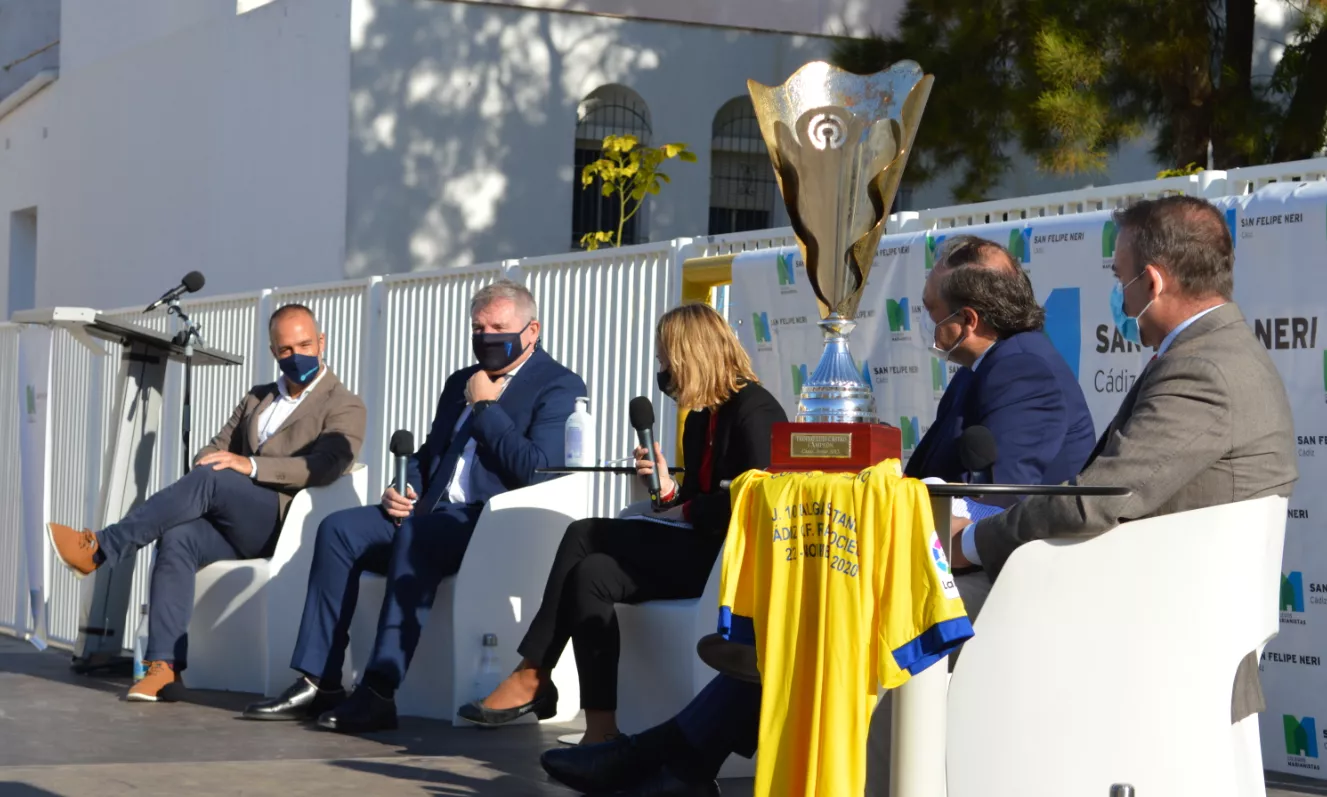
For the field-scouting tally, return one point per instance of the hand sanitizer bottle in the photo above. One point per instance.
(579, 438)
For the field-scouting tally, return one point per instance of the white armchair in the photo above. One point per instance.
(1111, 661)
(497, 591)
(247, 613)
(659, 671)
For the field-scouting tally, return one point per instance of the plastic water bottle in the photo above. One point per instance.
(489, 673)
(140, 646)
(579, 439)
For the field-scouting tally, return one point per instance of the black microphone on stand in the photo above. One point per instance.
(402, 447)
(976, 452)
(192, 283)
(641, 412)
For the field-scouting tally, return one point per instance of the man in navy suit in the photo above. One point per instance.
(496, 423)
(983, 316)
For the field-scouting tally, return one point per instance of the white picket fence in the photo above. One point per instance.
(395, 339)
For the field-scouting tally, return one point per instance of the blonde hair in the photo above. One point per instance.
(707, 362)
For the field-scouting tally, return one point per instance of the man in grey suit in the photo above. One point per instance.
(1206, 423)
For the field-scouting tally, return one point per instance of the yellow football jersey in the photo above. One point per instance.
(840, 581)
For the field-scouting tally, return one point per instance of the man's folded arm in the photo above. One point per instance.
(1179, 427)
(326, 459)
(518, 456)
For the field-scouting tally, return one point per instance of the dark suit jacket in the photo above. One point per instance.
(743, 435)
(1025, 393)
(316, 444)
(523, 431)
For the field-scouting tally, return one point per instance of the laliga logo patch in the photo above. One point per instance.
(941, 563)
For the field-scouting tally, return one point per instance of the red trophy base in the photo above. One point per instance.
(833, 447)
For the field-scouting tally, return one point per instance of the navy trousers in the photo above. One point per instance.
(207, 516)
(725, 717)
(415, 557)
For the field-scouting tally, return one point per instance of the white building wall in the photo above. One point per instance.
(219, 147)
(815, 17)
(463, 119)
(27, 27)
(25, 150)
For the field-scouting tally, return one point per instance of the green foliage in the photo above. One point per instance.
(631, 173)
(1070, 82)
(1183, 171)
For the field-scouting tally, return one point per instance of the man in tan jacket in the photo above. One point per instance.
(304, 430)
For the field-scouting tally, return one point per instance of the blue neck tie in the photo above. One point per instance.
(450, 460)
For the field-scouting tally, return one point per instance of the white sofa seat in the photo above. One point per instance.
(659, 671)
(497, 591)
(1111, 660)
(247, 612)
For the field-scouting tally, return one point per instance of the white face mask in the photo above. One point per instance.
(929, 328)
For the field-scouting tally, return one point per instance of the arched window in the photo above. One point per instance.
(742, 186)
(608, 110)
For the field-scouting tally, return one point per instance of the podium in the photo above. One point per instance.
(127, 465)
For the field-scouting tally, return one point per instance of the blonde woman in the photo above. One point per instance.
(604, 561)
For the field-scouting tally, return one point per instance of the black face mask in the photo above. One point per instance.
(497, 350)
(666, 386)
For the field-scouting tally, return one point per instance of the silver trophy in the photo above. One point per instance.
(839, 143)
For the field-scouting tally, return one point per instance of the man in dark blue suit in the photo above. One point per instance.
(496, 423)
(984, 317)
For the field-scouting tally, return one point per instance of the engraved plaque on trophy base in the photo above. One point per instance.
(833, 447)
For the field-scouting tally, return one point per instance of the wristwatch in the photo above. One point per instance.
(480, 406)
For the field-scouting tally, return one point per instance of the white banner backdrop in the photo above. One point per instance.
(1281, 285)
(34, 384)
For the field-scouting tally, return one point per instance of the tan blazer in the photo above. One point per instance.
(1207, 423)
(314, 447)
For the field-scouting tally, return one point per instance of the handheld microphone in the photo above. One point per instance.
(192, 282)
(641, 412)
(976, 452)
(402, 447)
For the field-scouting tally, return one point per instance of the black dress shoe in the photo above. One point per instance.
(665, 784)
(544, 706)
(733, 659)
(302, 701)
(600, 768)
(362, 712)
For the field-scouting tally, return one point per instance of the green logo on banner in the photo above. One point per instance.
(760, 323)
(786, 268)
(932, 246)
(909, 428)
(32, 400)
(799, 376)
(939, 376)
(1292, 591)
(899, 318)
(1016, 244)
(1108, 235)
(1301, 736)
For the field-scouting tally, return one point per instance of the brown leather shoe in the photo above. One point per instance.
(75, 548)
(160, 674)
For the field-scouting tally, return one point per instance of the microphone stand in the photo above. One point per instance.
(186, 338)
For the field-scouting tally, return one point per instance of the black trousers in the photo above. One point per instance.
(605, 561)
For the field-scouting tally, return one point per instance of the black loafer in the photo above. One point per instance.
(544, 706)
(600, 768)
(730, 658)
(362, 712)
(302, 701)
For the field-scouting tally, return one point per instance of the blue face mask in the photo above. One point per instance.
(1125, 323)
(300, 369)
